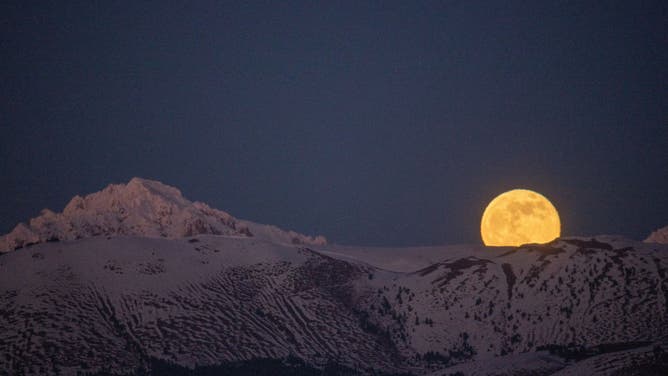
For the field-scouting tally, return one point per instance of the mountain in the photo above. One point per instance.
(230, 303)
(140, 208)
(658, 236)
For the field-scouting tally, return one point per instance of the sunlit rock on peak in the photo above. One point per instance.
(140, 208)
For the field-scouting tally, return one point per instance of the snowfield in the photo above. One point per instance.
(117, 301)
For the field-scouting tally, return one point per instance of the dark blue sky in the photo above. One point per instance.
(368, 122)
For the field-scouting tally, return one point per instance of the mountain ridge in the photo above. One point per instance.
(138, 279)
(208, 300)
(141, 207)
(659, 236)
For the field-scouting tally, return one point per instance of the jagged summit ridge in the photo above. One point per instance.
(658, 236)
(139, 208)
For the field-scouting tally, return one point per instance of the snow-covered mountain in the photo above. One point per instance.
(140, 208)
(206, 300)
(658, 236)
(122, 304)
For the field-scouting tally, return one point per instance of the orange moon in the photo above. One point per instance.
(519, 217)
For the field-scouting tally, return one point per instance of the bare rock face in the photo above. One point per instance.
(658, 236)
(139, 208)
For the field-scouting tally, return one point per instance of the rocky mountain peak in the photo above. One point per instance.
(658, 236)
(139, 208)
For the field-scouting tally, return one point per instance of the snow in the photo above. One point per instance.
(137, 270)
(614, 363)
(213, 298)
(140, 208)
(533, 363)
(409, 259)
(658, 236)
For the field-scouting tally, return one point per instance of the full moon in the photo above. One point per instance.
(519, 217)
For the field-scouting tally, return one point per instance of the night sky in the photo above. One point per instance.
(372, 123)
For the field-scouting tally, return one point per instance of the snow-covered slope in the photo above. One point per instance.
(572, 291)
(99, 301)
(206, 300)
(140, 208)
(658, 236)
(136, 276)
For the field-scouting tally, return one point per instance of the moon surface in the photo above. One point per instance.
(519, 217)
